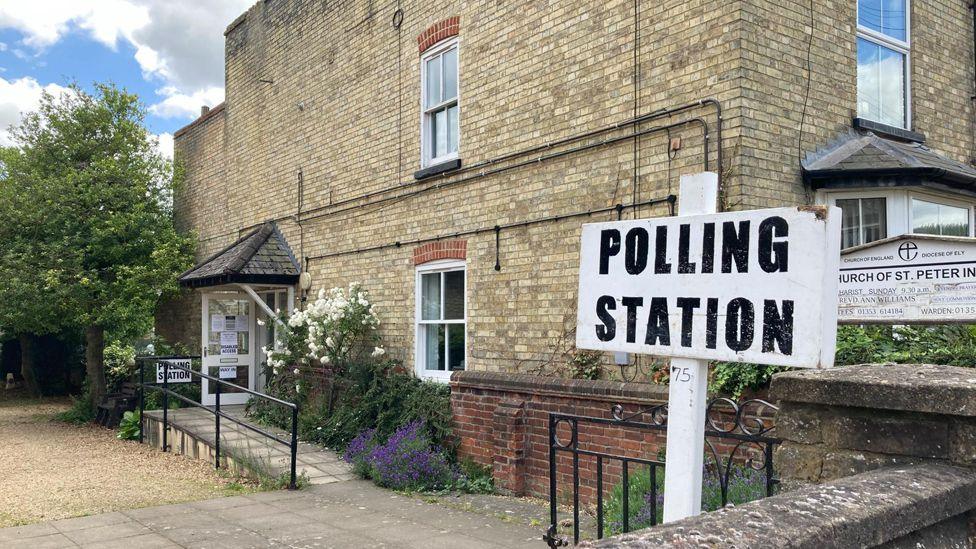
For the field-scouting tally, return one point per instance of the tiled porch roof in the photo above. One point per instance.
(261, 257)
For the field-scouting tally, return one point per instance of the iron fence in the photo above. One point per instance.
(737, 434)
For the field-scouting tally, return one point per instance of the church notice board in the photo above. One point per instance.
(909, 279)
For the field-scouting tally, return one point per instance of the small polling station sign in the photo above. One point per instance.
(909, 279)
(750, 286)
(176, 375)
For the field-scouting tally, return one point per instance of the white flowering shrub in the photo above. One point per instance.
(336, 328)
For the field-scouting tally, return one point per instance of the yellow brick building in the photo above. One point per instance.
(387, 141)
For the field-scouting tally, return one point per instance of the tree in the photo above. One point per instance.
(92, 204)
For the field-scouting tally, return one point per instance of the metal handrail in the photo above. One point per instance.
(293, 443)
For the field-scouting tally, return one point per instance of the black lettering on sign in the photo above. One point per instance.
(661, 265)
(608, 330)
(735, 246)
(774, 256)
(631, 304)
(609, 247)
(740, 318)
(684, 242)
(778, 327)
(711, 322)
(658, 330)
(708, 248)
(635, 257)
(687, 306)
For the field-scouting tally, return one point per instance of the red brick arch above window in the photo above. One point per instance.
(439, 31)
(442, 249)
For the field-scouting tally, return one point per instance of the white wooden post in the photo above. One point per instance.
(688, 389)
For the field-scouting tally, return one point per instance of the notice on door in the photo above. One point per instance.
(754, 286)
(228, 372)
(175, 375)
(909, 279)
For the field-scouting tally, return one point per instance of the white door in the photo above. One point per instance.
(228, 345)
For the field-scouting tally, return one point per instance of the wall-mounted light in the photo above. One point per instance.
(305, 283)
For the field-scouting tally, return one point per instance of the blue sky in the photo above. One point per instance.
(169, 52)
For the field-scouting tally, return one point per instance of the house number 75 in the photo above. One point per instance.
(681, 374)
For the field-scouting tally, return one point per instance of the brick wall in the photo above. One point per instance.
(502, 421)
(322, 108)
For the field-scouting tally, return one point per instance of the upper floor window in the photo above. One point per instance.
(883, 48)
(936, 218)
(439, 97)
(863, 220)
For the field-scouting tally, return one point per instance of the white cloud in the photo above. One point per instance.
(165, 146)
(180, 43)
(185, 105)
(20, 96)
(44, 22)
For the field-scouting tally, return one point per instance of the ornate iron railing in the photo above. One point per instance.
(737, 434)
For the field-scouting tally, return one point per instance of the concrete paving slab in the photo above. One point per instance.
(350, 514)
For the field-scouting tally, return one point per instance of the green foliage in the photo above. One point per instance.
(586, 364)
(735, 378)
(129, 426)
(82, 411)
(384, 397)
(120, 364)
(86, 219)
(473, 478)
(953, 345)
(745, 485)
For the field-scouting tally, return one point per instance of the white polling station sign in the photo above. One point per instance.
(753, 286)
(909, 279)
(757, 286)
(176, 375)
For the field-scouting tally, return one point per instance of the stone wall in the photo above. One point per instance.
(875, 455)
(920, 506)
(839, 422)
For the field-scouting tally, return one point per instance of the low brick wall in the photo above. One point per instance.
(502, 421)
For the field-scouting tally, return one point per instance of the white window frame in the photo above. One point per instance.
(887, 206)
(420, 342)
(942, 201)
(899, 202)
(902, 47)
(426, 160)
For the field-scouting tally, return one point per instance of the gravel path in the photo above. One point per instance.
(51, 470)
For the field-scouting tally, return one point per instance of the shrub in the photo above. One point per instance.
(358, 452)
(407, 460)
(129, 426)
(82, 410)
(381, 397)
(745, 484)
(120, 365)
(950, 345)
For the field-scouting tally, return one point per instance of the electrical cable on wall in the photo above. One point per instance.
(806, 95)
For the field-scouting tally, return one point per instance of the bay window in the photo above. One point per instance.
(930, 217)
(440, 319)
(863, 220)
(883, 48)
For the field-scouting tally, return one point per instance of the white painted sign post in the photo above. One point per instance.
(753, 286)
(909, 279)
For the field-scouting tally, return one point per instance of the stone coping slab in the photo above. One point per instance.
(924, 388)
(864, 510)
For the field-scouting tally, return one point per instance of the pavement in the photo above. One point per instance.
(347, 514)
